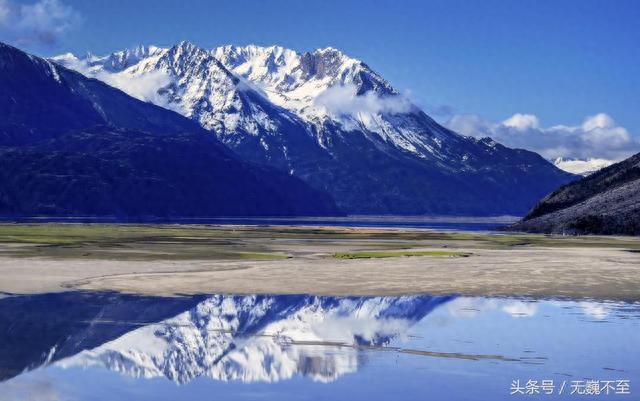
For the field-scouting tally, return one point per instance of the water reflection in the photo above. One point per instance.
(39, 329)
(260, 338)
(90, 346)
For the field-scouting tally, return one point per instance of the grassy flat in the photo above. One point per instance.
(370, 255)
(166, 259)
(148, 242)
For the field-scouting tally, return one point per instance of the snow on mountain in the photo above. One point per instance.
(222, 89)
(191, 81)
(143, 86)
(582, 167)
(332, 121)
(326, 86)
(294, 81)
(260, 338)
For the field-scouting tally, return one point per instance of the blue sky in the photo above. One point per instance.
(561, 61)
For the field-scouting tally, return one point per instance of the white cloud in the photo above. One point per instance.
(466, 307)
(600, 120)
(28, 387)
(470, 125)
(521, 309)
(598, 137)
(474, 307)
(42, 22)
(595, 310)
(582, 167)
(143, 87)
(522, 122)
(346, 328)
(343, 100)
(4, 12)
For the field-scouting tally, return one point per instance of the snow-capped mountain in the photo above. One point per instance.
(191, 81)
(196, 84)
(334, 122)
(74, 146)
(260, 338)
(582, 167)
(326, 86)
(296, 81)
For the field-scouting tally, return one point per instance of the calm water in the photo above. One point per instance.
(419, 222)
(84, 346)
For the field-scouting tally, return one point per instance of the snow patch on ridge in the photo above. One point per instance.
(582, 167)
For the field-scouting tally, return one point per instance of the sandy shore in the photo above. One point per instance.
(597, 273)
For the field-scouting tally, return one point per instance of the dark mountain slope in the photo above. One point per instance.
(607, 202)
(388, 157)
(70, 145)
(367, 176)
(105, 171)
(40, 98)
(43, 328)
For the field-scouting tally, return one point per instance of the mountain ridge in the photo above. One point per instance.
(605, 202)
(75, 146)
(333, 122)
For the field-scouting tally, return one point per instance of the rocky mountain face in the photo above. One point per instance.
(332, 121)
(71, 145)
(605, 202)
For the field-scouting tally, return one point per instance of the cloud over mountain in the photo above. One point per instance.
(143, 87)
(42, 22)
(331, 120)
(597, 137)
(342, 100)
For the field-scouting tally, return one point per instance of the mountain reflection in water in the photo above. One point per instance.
(247, 338)
(105, 347)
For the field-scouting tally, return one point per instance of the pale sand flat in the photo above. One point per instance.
(598, 273)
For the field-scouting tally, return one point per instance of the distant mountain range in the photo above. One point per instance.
(74, 146)
(334, 123)
(605, 202)
(582, 167)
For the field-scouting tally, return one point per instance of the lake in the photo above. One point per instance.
(108, 346)
(457, 223)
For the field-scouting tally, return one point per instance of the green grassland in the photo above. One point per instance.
(371, 255)
(212, 242)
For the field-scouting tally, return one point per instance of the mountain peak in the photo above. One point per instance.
(185, 46)
(82, 131)
(190, 53)
(255, 57)
(124, 59)
(310, 114)
(332, 52)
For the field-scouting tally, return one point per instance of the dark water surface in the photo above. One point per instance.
(419, 222)
(101, 346)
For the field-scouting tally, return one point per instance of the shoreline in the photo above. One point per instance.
(172, 260)
(610, 275)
